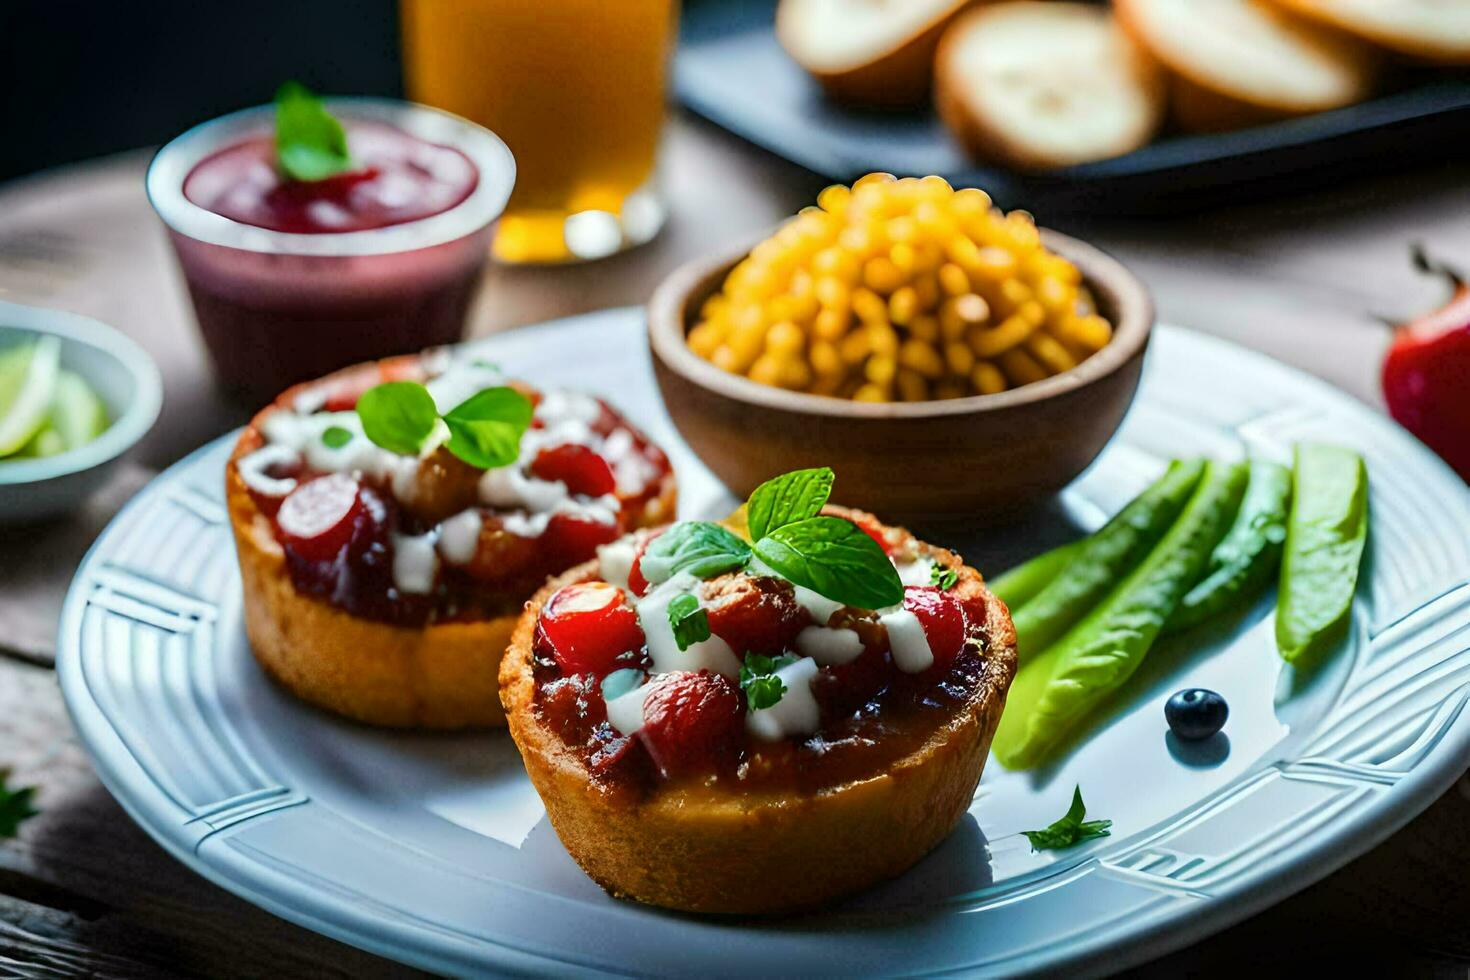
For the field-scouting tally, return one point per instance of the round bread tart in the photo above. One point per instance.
(720, 801)
(385, 587)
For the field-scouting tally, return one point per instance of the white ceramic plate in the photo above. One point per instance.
(434, 850)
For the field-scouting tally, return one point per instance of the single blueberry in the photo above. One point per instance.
(1196, 714)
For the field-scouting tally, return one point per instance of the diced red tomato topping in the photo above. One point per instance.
(753, 614)
(581, 469)
(690, 720)
(573, 540)
(873, 530)
(637, 584)
(317, 518)
(588, 627)
(943, 619)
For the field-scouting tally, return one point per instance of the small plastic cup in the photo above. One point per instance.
(276, 308)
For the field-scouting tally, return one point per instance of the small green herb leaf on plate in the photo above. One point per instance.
(700, 548)
(485, 429)
(690, 623)
(834, 558)
(942, 577)
(786, 499)
(1070, 830)
(310, 143)
(15, 806)
(335, 437)
(398, 415)
(763, 689)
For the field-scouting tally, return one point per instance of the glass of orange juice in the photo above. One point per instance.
(576, 88)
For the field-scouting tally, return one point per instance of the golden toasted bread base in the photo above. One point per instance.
(702, 849)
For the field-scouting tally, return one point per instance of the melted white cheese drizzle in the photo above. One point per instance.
(829, 647)
(797, 713)
(459, 536)
(615, 561)
(920, 571)
(415, 562)
(653, 615)
(911, 652)
(252, 468)
(625, 712)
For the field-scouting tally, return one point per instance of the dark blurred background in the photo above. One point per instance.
(83, 78)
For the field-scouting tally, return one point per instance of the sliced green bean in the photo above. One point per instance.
(1057, 688)
(1021, 584)
(1325, 536)
(1107, 558)
(1245, 559)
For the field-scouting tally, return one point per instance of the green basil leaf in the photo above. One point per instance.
(15, 806)
(1070, 830)
(941, 577)
(690, 623)
(310, 142)
(398, 415)
(758, 679)
(786, 499)
(700, 548)
(834, 558)
(485, 429)
(335, 437)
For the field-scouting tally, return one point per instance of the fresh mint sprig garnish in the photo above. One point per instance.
(1070, 830)
(763, 689)
(834, 558)
(689, 621)
(787, 499)
(15, 806)
(485, 429)
(310, 143)
(941, 577)
(700, 548)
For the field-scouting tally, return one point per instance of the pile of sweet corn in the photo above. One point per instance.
(900, 290)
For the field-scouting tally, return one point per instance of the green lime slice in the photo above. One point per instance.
(27, 382)
(77, 414)
(47, 442)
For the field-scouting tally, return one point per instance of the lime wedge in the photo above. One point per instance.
(27, 382)
(77, 414)
(47, 442)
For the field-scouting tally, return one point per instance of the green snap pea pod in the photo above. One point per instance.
(1243, 561)
(1324, 546)
(1019, 585)
(1058, 688)
(1106, 558)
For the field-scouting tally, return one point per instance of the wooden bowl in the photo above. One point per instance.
(983, 457)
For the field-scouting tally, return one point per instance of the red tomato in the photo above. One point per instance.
(574, 540)
(637, 584)
(581, 469)
(317, 518)
(690, 720)
(753, 614)
(588, 627)
(943, 619)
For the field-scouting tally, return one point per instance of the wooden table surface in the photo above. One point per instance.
(83, 890)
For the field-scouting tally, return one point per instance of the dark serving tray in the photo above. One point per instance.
(730, 70)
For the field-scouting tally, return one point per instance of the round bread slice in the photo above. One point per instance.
(704, 848)
(865, 53)
(1038, 85)
(437, 676)
(1237, 63)
(1436, 31)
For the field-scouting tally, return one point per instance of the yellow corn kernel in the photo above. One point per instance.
(904, 258)
(835, 262)
(880, 369)
(911, 386)
(950, 389)
(952, 279)
(856, 346)
(1056, 296)
(903, 304)
(970, 202)
(832, 293)
(1050, 352)
(993, 264)
(959, 358)
(918, 356)
(988, 379)
(1032, 312)
(830, 324)
(902, 229)
(748, 316)
(1015, 292)
(869, 306)
(924, 328)
(785, 338)
(876, 178)
(882, 275)
(935, 187)
(926, 285)
(724, 358)
(834, 199)
(747, 345)
(1092, 332)
(826, 358)
(704, 338)
(883, 339)
(766, 370)
(871, 393)
(994, 341)
(795, 374)
(827, 384)
(1020, 367)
